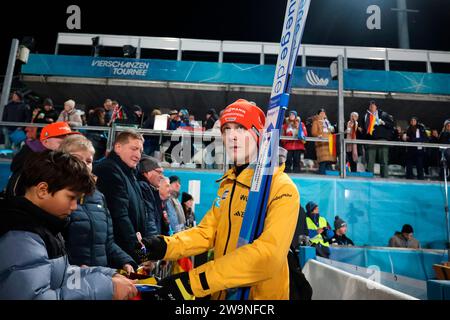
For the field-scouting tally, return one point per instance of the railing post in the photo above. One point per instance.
(138, 50)
(429, 68)
(386, 61)
(221, 52)
(180, 52)
(111, 137)
(8, 76)
(261, 55)
(341, 128)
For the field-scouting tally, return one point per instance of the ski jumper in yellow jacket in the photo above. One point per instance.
(263, 264)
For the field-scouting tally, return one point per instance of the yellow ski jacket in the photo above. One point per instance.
(262, 265)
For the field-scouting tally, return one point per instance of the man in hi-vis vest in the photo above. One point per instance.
(319, 230)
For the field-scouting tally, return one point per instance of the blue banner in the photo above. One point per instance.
(232, 73)
(373, 210)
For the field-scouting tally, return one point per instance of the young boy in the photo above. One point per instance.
(33, 259)
(261, 265)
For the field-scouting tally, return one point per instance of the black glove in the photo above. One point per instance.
(175, 287)
(154, 248)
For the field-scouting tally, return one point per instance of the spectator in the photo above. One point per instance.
(340, 231)
(353, 131)
(444, 138)
(211, 118)
(397, 153)
(210, 152)
(117, 181)
(34, 264)
(174, 208)
(97, 117)
(51, 138)
(193, 123)
(294, 127)
(174, 124)
(89, 235)
(187, 201)
(118, 113)
(184, 118)
(70, 114)
(151, 143)
(404, 239)
(150, 177)
(108, 107)
(46, 114)
(383, 130)
(187, 149)
(132, 115)
(15, 111)
(164, 194)
(433, 155)
(319, 230)
(254, 264)
(415, 155)
(174, 120)
(322, 128)
(99, 141)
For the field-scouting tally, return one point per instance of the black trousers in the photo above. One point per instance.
(293, 161)
(415, 158)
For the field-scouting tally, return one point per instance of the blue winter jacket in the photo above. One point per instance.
(90, 238)
(33, 261)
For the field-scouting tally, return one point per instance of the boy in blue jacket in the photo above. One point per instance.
(33, 259)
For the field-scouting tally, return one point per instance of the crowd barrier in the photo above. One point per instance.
(373, 209)
(331, 283)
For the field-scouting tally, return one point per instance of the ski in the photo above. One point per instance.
(255, 211)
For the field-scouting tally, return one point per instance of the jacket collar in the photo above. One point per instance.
(115, 157)
(245, 177)
(22, 211)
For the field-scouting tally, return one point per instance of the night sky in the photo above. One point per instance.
(332, 22)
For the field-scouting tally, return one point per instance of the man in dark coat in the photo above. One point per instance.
(340, 230)
(383, 129)
(117, 181)
(15, 111)
(150, 176)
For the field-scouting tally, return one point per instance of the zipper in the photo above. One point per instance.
(229, 218)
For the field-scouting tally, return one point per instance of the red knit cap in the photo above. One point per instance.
(248, 115)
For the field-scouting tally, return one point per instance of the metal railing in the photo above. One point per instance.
(201, 137)
(262, 49)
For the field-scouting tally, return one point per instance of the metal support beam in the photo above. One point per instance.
(221, 52)
(180, 52)
(341, 115)
(138, 49)
(8, 76)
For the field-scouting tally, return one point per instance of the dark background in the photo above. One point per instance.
(329, 22)
(332, 22)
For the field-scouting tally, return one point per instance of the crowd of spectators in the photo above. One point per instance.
(375, 124)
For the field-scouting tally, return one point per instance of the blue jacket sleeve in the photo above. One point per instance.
(312, 233)
(173, 218)
(27, 273)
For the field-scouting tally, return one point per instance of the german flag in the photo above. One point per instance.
(332, 144)
(371, 126)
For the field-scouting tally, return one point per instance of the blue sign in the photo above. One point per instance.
(233, 73)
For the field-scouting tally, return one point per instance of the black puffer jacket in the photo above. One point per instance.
(89, 236)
